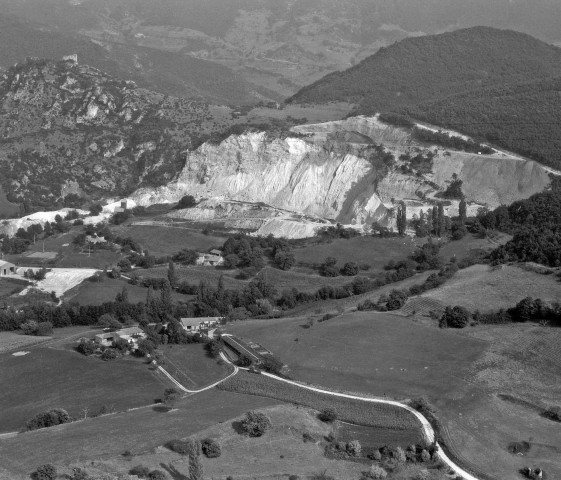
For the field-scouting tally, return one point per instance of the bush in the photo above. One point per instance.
(171, 395)
(376, 472)
(425, 456)
(553, 413)
(354, 448)
(211, 448)
(183, 447)
(157, 475)
(109, 354)
(255, 424)
(188, 201)
(45, 472)
(55, 416)
(140, 471)
(350, 269)
(328, 415)
(86, 347)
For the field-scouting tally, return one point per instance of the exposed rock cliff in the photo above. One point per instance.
(339, 171)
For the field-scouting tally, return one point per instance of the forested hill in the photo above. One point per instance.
(497, 85)
(432, 67)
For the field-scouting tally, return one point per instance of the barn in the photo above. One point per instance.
(6, 268)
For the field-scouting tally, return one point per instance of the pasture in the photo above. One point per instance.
(162, 241)
(485, 288)
(96, 293)
(194, 274)
(460, 248)
(191, 366)
(374, 251)
(139, 431)
(48, 378)
(369, 352)
(279, 453)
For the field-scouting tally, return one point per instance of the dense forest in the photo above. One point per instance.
(497, 85)
(536, 225)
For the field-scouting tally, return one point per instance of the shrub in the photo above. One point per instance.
(178, 446)
(425, 456)
(328, 415)
(79, 474)
(45, 472)
(376, 472)
(171, 395)
(157, 475)
(86, 347)
(308, 437)
(195, 468)
(377, 456)
(56, 416)
(399, 455)
(211, 448)
(255, 424)
(30, 327)
(423, 475)
(350, 269)
(109, 354)
(140, 471)
(553, 413)
(354, 448)
(188, 201)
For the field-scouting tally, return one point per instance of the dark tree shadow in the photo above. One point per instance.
(173, 472)
(161, 408)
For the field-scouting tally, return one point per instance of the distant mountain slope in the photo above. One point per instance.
(525, 118)
(432, 67)
(163, 71)
(70, 128)
(494, 84)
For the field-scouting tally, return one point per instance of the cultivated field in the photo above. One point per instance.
(60, 280)
(162, 241)
(139, 431)
(376, 415)
(369, 352)
(485, 288)
(195, 274)
(191, 366)
(12, 341)
(47, 378)
(96, 293)
(373, 251)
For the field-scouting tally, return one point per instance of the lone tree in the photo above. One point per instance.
(255, 424)
(171, 395)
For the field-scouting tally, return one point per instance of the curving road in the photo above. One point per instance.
(427, 427)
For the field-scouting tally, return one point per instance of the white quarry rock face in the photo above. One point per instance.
(323, 175)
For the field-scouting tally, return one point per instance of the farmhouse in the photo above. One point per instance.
(199, 325)
(209, 259)
(6, 268)
(105, 339)
(132, 335)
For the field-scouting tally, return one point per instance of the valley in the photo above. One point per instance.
(260, 240)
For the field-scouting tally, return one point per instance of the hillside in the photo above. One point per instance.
(494, 84)
(67, 128)
(164, 71)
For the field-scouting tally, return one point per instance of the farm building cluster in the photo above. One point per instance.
(212, 259)
(131, 335)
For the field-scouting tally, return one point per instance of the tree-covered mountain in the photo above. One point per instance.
(499, 85)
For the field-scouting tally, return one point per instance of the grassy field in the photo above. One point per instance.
(48, 378)
(348, 410)
(281, 452)
(485, 288)
(190, 365)
(374, 251)
(139, 431)
(194, 274)
(369, 352)
(162, 241)
(376, 437)
(301, 280)
(96, 293)
(460, 248)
